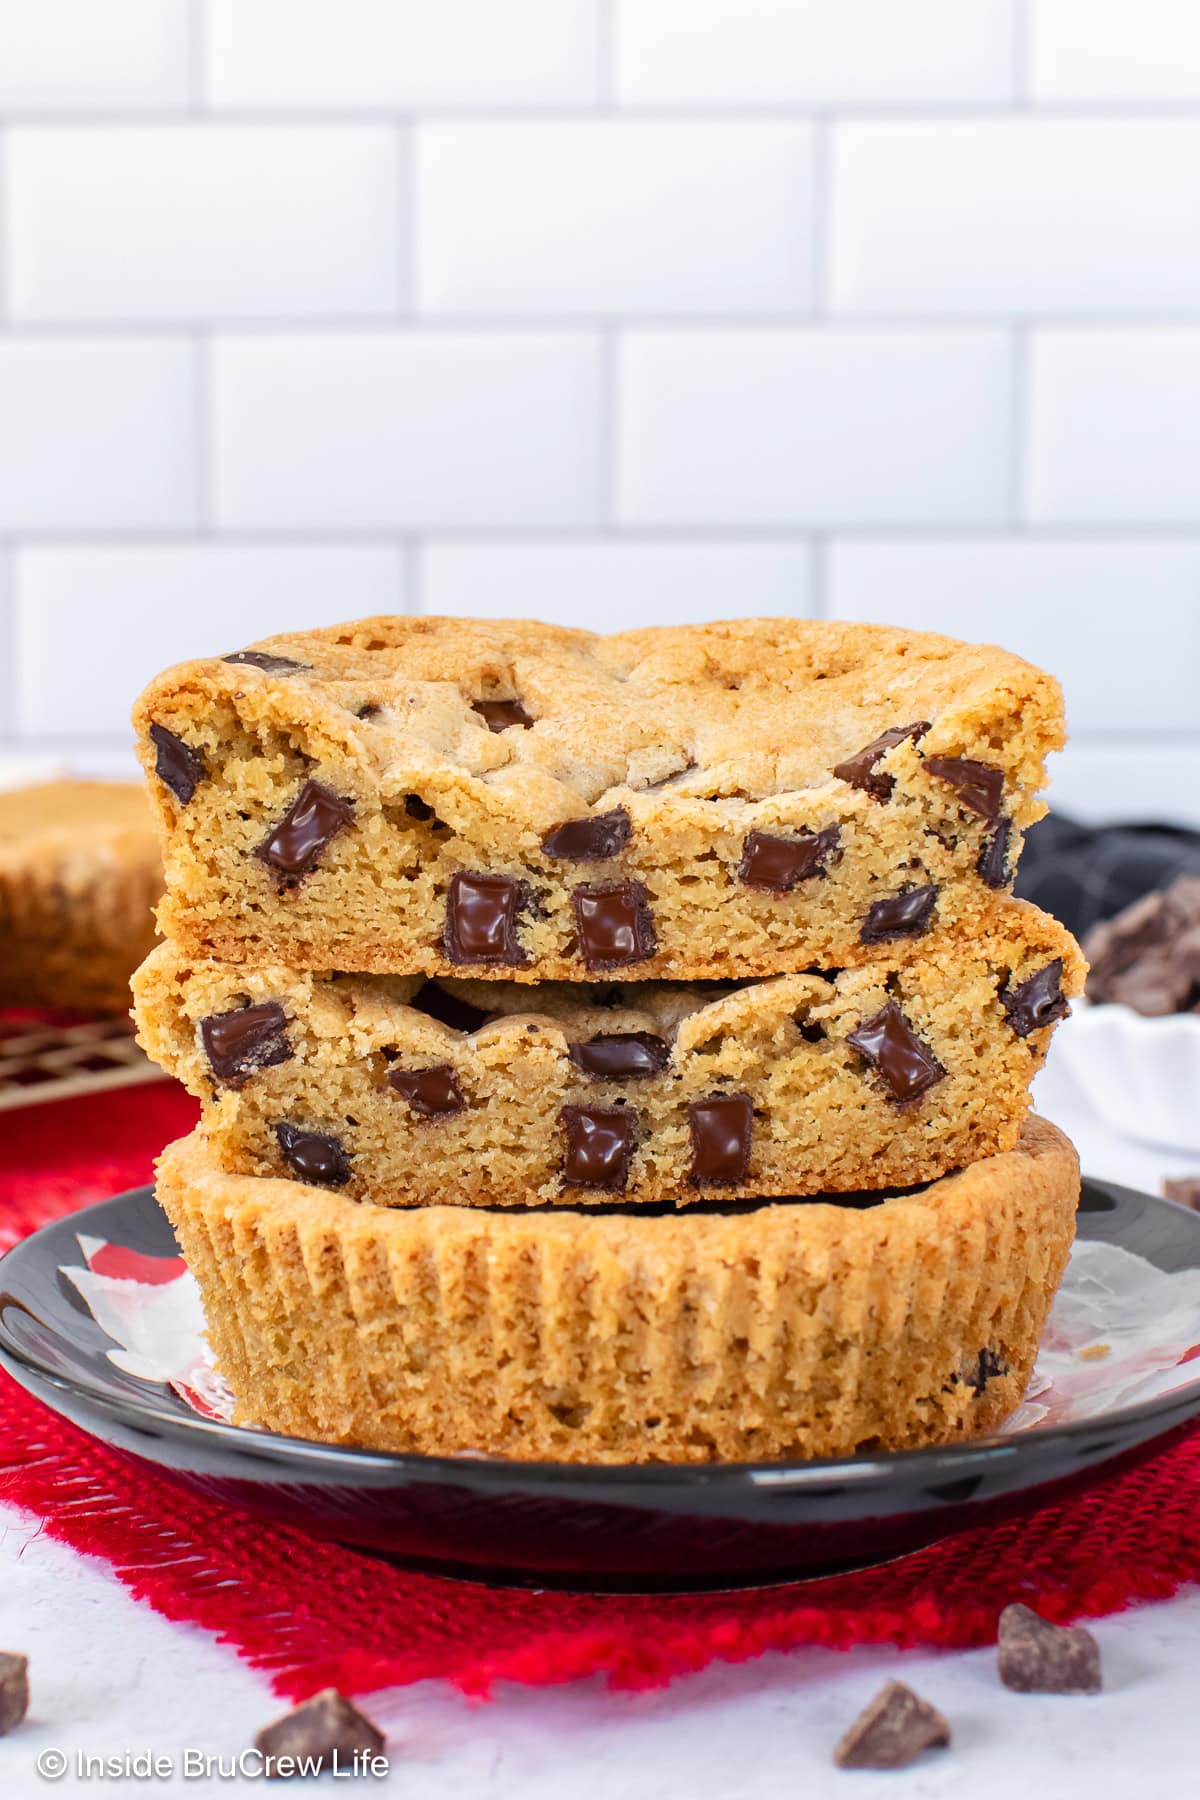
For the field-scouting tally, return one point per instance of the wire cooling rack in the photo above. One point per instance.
(44, 1060)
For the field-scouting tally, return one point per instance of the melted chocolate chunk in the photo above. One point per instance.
(310, 824)
(859, 769)
(892, 1731)
(416, 808)
(14, 1689)
(776, 864)
(621, 1056)
(720, 1126)
(178, 766)
(977, 1371)
(891, 1046)
(313, 1155)
(589, 840)
(993, 864)
(614, 924)
(978, 785)
(1038, 1001)
(502, 715)
(327, 1731)
(437, 1003)
(431, 1093)
(270, 665)
(599, 1143)
(900, 915)
(482, 914)
(241, 1042)
(1035, 1657)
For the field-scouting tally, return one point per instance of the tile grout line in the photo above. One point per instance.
(204, 448)
(408, 248)
(821, 245)
(6, 297)
(197, 51)
(609, 411)
(412, 574)
(818, 551)
(1019, 431)
(1022, 56)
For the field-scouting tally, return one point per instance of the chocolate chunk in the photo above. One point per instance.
(313, 1155)
(1183, 1189)
(431, 1093)
(891, 1046)
(900, 916)
(1035, 1657)
(325, 1728)
(241, 1042)
(1038, 1001)
(977, 1371)
(859, 769)
(270, 665)
(599, 1143)
(720, 1126)
(309, 825)
(14, 1689)
(993, 863)
(614, 924)
(980, 786)
(416, 808)
(776, 864)
(178, 766)
(892, 1731)
(502, 715)
(1148, 956)
(437, 1002)
(621, 1056)
(371, 710)
(589, 840)
(482, 914)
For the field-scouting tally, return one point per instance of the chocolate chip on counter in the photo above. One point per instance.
(482, 914)
(892, 1731)
(436, 1002)
(179, 766)
(614, 924)
(14, 1689)
(325, 1726)
(776, 864)
(502, 715)
(599, 1143)
(1035, 1657)
(1183, 1189)
(900, 916)
(621, 1056)
(1038, 1001)
(313, 1155)
(249, 1038)
(431, 1093)
(589, 840)
(979, 786)
(270, 665)
(720, 1127)
(306, 829)
(1148, 956)
(859, 769)
(891, 1046)
(993, 863)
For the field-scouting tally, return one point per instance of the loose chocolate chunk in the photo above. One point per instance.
(980, 786)
(599, 1143)
(241, 1042)
(1148, 956)
(720, 1126)
(482, 914)
(1035, 1657)
(899, 916)
(502, 715)
(589, 840)
(891, 1046)
(310, 824)
(859, 769)
(14, 1689)
(614, 924)
(621, 1056)
(270, 665)
(179, 766)
(313, 1155)
(993, 864)
(1038, 1001)
(437, 1002)
(431, 1093)
(892, 1731)
(325, 1726)
(1183, 1189)
(777, 864)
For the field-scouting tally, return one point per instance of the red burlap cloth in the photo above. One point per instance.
(313, 1614)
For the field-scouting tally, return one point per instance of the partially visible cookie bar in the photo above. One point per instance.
(446, 796)
(409, 1092)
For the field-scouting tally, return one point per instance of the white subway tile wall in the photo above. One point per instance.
(614, 312)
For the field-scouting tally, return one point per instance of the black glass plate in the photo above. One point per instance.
(636, 1528)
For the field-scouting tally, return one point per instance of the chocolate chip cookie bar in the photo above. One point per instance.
(736, 1331)
(440, 796)
(407, 1091)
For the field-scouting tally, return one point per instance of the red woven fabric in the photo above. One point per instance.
(313, 1614)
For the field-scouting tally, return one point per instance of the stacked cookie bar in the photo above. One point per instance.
(611, 1049)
